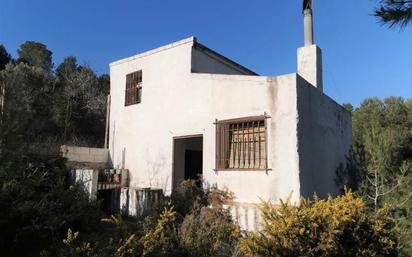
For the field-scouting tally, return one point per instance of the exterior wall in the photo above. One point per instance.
(134, 129)
(228, 97)
(325, 137)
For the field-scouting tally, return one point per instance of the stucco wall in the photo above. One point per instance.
(325, 136)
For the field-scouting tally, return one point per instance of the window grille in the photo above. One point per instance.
(241, 144)
(133, 93)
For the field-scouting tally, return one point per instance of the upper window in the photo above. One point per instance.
(133, 88)
(241, 144)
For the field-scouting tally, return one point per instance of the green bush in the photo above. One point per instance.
(340, 226)
(38, 205)
(209, 232)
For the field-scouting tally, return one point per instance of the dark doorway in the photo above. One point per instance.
(110, 200)
(187, 158)
(193, 164)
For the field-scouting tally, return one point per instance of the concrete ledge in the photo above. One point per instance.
(76, 154)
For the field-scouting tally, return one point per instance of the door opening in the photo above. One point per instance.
(187, 158)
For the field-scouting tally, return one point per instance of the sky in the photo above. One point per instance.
(361, 58)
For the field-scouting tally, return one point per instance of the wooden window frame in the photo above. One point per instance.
(133, 90)
(220, 140)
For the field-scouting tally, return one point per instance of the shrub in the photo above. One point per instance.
(38, 205)
(340, 226)
(187, 196)
(209, 232)
(162, 240)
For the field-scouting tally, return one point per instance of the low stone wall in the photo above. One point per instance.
(85, 154)
(139, 201)
(248, 216)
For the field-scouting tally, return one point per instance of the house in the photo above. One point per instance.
(183, 110)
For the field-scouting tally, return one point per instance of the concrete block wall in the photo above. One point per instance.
(85, 154)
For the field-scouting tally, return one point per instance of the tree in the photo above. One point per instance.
(394, 12)
(340, 226)
(35, 54)
(26, 118)
(80, 103)
(382, 140)
(5, 57)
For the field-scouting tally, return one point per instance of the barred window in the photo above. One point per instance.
(133, 93)
(241, 144)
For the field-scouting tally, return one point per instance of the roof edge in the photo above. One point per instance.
(188, 40)
(221, 58)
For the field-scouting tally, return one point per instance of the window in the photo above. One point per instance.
(133, 88)
(241, 144)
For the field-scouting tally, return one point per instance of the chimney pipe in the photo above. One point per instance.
(310, 56)
(308, 22)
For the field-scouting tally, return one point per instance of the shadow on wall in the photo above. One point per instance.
(324, 139)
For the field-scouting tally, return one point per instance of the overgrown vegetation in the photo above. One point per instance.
(202, 231)
(38, 205)
(381, 163)
(340, 226)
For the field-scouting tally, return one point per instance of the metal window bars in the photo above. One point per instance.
(242, 144)
(133, 94)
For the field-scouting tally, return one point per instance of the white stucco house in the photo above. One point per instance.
(183, 110)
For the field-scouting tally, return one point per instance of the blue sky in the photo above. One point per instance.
(361, 58)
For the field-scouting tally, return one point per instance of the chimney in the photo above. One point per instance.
(310, 56)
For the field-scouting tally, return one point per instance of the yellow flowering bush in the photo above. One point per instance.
(340, 226)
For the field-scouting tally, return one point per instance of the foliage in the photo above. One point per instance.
(340, 226)
(381, 161)
(35, 54)
(26, 117)
(5, 57)
(80, 105)
(187, 196)
(203, 231)
(38, 205)
(209, 232)
(394, 12)
(72, 247)
(162, 240)
(44, 109)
